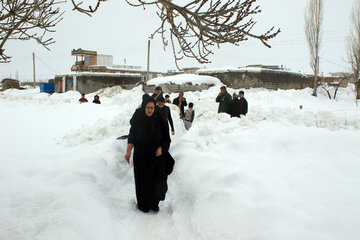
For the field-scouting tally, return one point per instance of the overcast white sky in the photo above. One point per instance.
(122, 31)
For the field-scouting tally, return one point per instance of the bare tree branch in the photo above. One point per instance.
(353, 46)
(25, 20)
(332, 87)
(196, 27)
(192, 29)
(313, 22)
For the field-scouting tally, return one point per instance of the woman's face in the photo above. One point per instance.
(149, 109)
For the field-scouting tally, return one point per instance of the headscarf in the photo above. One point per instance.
(145, 99)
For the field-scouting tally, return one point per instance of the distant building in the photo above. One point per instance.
(172, 73)
(190, 70)
(8, 83)
(88, 82)
(270, 67)
(340, 74)
(91, 61)
(93, 71)
(259, 76)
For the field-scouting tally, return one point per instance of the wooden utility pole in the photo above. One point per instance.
(34, 69)
(148, 61)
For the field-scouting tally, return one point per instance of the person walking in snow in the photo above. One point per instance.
(83, 99)
(150, 139)
(243, 104)
(158, 93)
(96, 99)
(167, 98)
(189, 116)
(224, 99)
(180, 101)
(235, 106)
(165, 112)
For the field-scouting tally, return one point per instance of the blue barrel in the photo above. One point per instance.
(47, 87)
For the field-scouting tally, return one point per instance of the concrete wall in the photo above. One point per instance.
(31, 83)
(175, 88)
(89, 83)
(265, 79)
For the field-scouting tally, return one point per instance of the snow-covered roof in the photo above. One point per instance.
(241, 69)
(99, 74)
(218, 70)
(185, 78)
(114, 68)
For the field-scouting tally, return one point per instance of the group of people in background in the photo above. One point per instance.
(180, 101)
(235, 106)
(84, 100)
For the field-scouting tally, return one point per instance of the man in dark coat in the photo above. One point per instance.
(149, 136)
(158, 93)
(235, 106)
(224, 99)
(243, 104)
(180, 101)
(165, 112)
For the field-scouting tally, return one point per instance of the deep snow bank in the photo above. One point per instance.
(278, 173)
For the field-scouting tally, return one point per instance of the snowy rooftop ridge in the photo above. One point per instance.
(243, 69)
(98, 74)
(185, 78)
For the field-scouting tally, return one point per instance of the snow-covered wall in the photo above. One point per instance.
(256, 77)
(91, 82)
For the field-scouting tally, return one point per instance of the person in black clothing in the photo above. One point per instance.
(167, 98)
(149, 136)
(158, 93)
(96, 99)
(243, 104)
(139, 111)
(180, 101)
(235, 106)
(165, 112)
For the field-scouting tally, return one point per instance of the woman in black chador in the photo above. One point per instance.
(149, 136)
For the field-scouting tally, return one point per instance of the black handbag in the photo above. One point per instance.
(169, 163)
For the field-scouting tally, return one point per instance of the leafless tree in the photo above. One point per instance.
(313, 22)
(354, 45)
(27, 19)
(194, 27)
(191, 28)
(331, 88)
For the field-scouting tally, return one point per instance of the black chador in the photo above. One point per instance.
(148, 134)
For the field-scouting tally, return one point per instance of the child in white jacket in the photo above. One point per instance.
(189, 116)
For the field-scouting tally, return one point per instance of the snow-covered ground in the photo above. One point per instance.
(281, 172)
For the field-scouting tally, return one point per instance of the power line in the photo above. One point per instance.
(37, 57)
(331, 62)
